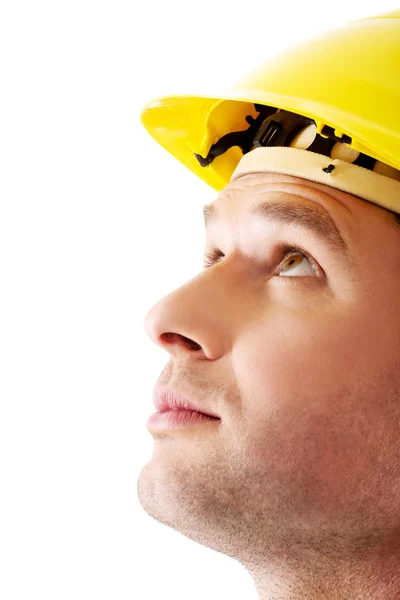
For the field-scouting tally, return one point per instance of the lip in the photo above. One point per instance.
(167, 400)
(179, 419)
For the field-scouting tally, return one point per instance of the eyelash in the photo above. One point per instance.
(285, 251)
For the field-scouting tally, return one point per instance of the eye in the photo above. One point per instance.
(295, 259)
(212, 257)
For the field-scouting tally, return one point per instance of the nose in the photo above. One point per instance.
(190, 320)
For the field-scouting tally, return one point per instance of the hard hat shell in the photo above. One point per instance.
(347, 78)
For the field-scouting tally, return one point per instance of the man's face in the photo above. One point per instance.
(301, 364)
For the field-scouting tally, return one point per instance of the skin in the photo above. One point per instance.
(300, 479)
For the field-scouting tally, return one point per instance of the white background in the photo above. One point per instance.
(97, 222)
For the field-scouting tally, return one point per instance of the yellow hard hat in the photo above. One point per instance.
(332, 102)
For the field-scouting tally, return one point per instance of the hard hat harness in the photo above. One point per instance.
(276, 127)
(243, 139)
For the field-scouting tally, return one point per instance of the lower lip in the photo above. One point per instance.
(177, 419)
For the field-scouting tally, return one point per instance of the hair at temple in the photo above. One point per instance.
(394, 218)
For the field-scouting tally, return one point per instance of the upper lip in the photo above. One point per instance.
(168, 399)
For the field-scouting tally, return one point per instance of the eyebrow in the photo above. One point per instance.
(315, 221)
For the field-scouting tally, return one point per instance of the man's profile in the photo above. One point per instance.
(289, 339)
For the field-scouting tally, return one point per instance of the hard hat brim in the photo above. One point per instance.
(186, 125)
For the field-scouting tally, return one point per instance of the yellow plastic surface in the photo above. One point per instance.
(348, 79)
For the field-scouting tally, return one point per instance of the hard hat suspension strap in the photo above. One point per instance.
(276, 127)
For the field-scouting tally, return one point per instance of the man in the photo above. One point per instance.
(290, 337)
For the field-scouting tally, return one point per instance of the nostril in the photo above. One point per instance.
(191, 344)
(170, 337)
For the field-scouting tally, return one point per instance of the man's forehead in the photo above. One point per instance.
(260, 177)
(254, 183)
(256, 187)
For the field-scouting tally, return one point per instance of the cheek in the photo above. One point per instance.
(296, 361)
(277, 364)
(298, 413)
(302, 373)
(314, 389)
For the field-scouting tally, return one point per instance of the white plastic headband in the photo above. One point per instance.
(353, 179)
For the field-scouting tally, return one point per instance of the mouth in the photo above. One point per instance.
(178, 419)
(168, 400)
